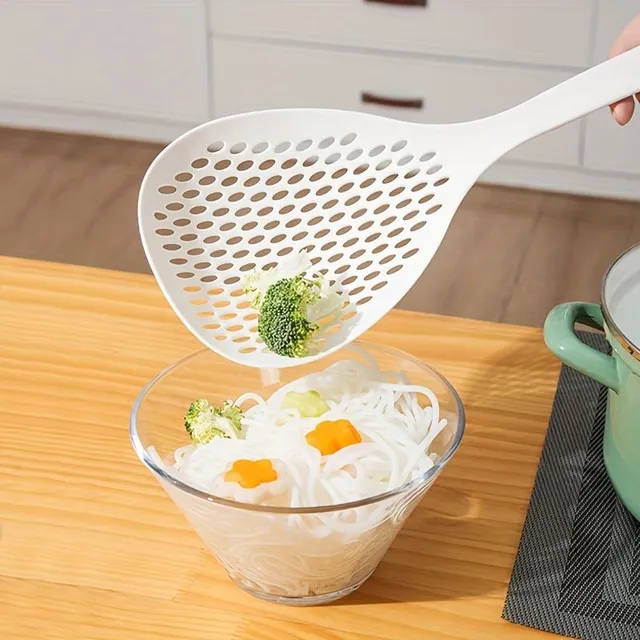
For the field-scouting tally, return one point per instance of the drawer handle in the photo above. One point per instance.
(404, 3)
(398, 103)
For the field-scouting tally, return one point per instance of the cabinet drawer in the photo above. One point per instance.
(251, 76)
(554, 32)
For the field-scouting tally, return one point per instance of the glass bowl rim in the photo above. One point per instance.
(407, 487)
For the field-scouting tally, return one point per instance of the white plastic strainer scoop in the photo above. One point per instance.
(370, 199)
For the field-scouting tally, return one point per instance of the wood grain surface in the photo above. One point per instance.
(92, 549)
(72, 199)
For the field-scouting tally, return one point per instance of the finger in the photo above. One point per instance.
(623, 111)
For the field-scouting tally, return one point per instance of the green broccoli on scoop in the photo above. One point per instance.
(291, 306)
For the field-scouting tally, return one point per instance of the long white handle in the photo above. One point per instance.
(588, 91)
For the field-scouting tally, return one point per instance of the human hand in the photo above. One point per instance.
(628, 39)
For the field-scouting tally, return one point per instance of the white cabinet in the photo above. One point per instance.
(130, 59)
(609, 147)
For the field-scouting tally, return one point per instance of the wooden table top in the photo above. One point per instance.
(91, 548)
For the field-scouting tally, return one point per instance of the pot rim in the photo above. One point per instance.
(617, 333)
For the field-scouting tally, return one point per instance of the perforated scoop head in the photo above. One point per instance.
(369, 198)
(369, 205)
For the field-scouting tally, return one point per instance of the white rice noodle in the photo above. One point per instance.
(303, 554)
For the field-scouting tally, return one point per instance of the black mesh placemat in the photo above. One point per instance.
(577, 571)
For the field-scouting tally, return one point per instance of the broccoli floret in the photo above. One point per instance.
(290, 306)
(204, 422)
(308, 403)
(283, 323)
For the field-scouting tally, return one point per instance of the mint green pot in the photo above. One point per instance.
(619, 372)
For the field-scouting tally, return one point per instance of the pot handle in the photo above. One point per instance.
(560, 336)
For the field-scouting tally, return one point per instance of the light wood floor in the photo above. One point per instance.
(510, 254)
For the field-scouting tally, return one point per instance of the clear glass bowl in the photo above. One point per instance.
(299, 556)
